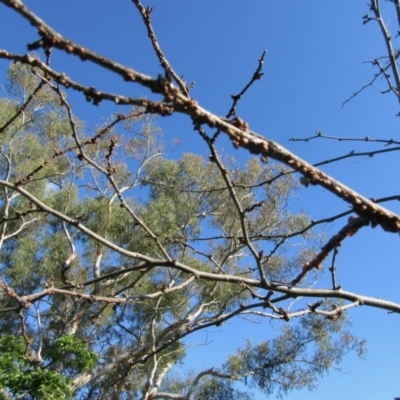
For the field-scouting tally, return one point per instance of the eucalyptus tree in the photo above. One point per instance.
(113, 254)
(108, 242)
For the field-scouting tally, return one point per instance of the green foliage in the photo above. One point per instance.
(22, 377)
(73, 352)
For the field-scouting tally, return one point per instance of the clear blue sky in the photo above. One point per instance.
(314, 62)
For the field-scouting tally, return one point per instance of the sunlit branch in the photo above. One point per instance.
(27, 300)
(161, 374)
(7, 201)
(238, 132)
(90, 93)
(40, 334)
(256, 144)
(193, 298)
(332, 315)
(150, 380)
(67, 263)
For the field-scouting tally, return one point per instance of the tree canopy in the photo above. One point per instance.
(114, 253)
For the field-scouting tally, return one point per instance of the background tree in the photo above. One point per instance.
(107, 240)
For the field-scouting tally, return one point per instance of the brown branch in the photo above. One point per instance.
(91, 141)
(24, 331)
(90, 93)
(332, 269)
(241, 136)
(392, 88)
(397, 5)
(23, 301)
(371, 83)
(236, 202)
(320, 135)
(388, 41)
(256, 144)
(349, 229)
(108, 172)
(26, 301)
(19, 215)
(54, 39)
(393, 55)
(169, 71)
(257, 76)
(354, 154)
(22, 108)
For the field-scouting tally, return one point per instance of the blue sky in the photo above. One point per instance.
(316, 51)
